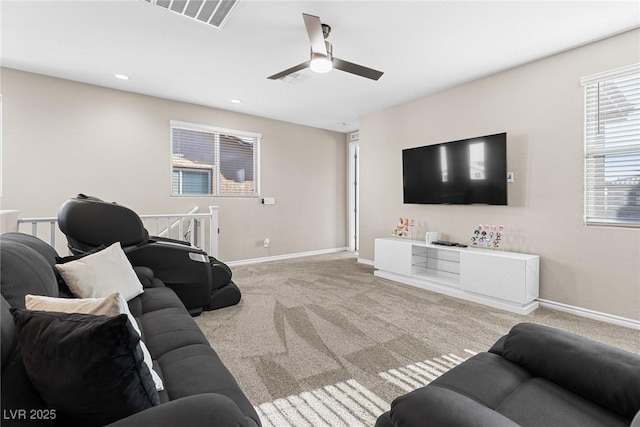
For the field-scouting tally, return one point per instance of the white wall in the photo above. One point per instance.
(540, 107)
(62, 138)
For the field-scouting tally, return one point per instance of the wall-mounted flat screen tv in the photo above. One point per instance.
(465, 172)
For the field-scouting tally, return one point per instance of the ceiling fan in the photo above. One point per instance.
(322, 59)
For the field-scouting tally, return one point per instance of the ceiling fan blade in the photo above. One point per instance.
(356, 69)
(314, 30)
(288, 71)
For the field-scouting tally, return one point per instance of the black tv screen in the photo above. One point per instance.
(465, 172)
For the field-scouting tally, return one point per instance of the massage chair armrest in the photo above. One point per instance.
(147, 277)
(439, 406)
(182, 268)
(168, 240)
(209, 409)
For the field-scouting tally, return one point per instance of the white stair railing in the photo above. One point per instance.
(169, 230)
(201, 231)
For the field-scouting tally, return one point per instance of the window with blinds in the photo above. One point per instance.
(213, 161)
(612, 147)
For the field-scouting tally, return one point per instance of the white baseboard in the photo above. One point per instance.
(590, 314)
(365, 261)
(286, 256)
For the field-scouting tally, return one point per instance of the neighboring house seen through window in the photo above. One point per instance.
(612, 147)
(213, 161)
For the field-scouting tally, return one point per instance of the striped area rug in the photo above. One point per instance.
(349, 403)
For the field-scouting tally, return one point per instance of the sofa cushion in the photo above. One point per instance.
(577, 364)
(540, 402)
(471, 377)
(197, 369)
(165, 322)
(24, 271)
(88, 368)
(188, 363)
(100, 274)
(40, 246)
(8, 332)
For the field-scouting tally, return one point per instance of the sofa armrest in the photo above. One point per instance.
(209, 409)
(438, 406)
(603, 374)
(147, 278)
(384, 420)
(498, 347)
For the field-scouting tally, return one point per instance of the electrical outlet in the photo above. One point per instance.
(511, 177)
(266, 243)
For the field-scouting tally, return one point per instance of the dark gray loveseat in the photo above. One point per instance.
(534, 376)
(198, 388)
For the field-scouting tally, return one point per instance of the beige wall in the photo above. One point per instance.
(63, 137)
(540, 107)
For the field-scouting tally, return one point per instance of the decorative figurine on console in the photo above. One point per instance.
(487, 236)
(404, 228)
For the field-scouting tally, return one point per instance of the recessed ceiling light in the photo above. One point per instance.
(236, 101)
(121, 76)
(342, 124)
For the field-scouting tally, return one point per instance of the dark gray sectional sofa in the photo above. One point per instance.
(534, 376)
(198, 388)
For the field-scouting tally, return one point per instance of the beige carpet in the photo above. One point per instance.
(319, 330)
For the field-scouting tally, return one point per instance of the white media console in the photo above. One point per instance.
(504, 280)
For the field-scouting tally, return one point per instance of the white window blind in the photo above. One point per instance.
(213, 161)
(612, 147)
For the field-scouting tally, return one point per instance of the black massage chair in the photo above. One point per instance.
(201, 282)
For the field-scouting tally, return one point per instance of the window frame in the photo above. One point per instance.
(215, 172)
(595, 152)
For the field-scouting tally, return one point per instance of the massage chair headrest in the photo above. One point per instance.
(89, 221)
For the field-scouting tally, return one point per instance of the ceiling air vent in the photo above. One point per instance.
(213, 12)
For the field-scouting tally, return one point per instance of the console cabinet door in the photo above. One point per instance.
(495, 276)
(393, 255)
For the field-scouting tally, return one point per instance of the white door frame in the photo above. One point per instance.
(353, 191)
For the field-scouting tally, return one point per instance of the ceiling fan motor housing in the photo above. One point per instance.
(326, 29)
(329, 54)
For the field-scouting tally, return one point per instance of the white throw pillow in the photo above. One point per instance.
(100, 274)
(111, 305)
(108, 306)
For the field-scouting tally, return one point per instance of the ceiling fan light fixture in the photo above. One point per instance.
(320, 63)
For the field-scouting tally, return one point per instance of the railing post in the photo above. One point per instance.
(202, 227)
(52, 231)
(213, 239)
(193, 229)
